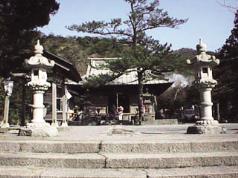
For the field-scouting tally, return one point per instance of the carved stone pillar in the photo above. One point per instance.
(39, 66)
(202, 64)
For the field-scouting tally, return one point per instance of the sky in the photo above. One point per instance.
(207, 19)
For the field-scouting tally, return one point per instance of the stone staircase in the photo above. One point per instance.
(118, 159)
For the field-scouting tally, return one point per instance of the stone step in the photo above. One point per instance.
(171, 160)
(167, 147)
(109, 160)
(56, 160)
(156, 146)
(48, 146)
(198, 172)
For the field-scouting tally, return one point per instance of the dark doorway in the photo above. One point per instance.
(123, 100)
(112, 104)
(118, 99)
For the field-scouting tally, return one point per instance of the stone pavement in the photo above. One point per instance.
(149, 151)
(163, 133)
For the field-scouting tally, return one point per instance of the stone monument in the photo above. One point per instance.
(39, 66)
(202, 64)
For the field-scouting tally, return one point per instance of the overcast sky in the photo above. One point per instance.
(207, 20)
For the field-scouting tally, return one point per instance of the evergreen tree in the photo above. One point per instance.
(143, 53)
(18, 22)
(227, 90)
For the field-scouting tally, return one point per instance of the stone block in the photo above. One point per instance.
(171, 160)
(41, 146)
(205, 129)
(20, 172)
(81, 147)
(197, 172)
(52, 160)
(212, 146)
(30, 172)
(161, 122)
(25, 132)
(38, 130)
(144, 147)
(3, 130)
(174, 147)
(9, 146)
(94, 173)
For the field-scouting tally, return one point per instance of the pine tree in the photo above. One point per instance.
(143, 53)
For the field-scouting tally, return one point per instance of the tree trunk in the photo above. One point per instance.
(140, 96)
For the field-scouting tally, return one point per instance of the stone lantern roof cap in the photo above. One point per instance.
(38, 48)
(38, 60)
(201, 47)
(202, 58)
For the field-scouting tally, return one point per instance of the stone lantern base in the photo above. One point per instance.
(206, 127)
(4, 125)
(39, 130)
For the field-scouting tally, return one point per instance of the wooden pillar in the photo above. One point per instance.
(65, 108)
(54, 105)
(117, 101)
(23, 103)
(218, 112)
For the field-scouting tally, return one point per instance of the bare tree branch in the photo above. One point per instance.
(225, 4)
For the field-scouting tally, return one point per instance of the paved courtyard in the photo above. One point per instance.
(162, 133)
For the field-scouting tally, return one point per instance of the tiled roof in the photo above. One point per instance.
(130, 78)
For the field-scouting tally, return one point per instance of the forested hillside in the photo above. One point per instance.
(78, 49)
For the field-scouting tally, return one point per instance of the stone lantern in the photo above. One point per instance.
(202, 64)
(8, 86)
(39, 66)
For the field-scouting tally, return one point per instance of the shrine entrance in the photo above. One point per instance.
(119, 99)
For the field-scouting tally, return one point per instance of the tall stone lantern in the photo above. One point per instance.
(202, 64)
(39, 66)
